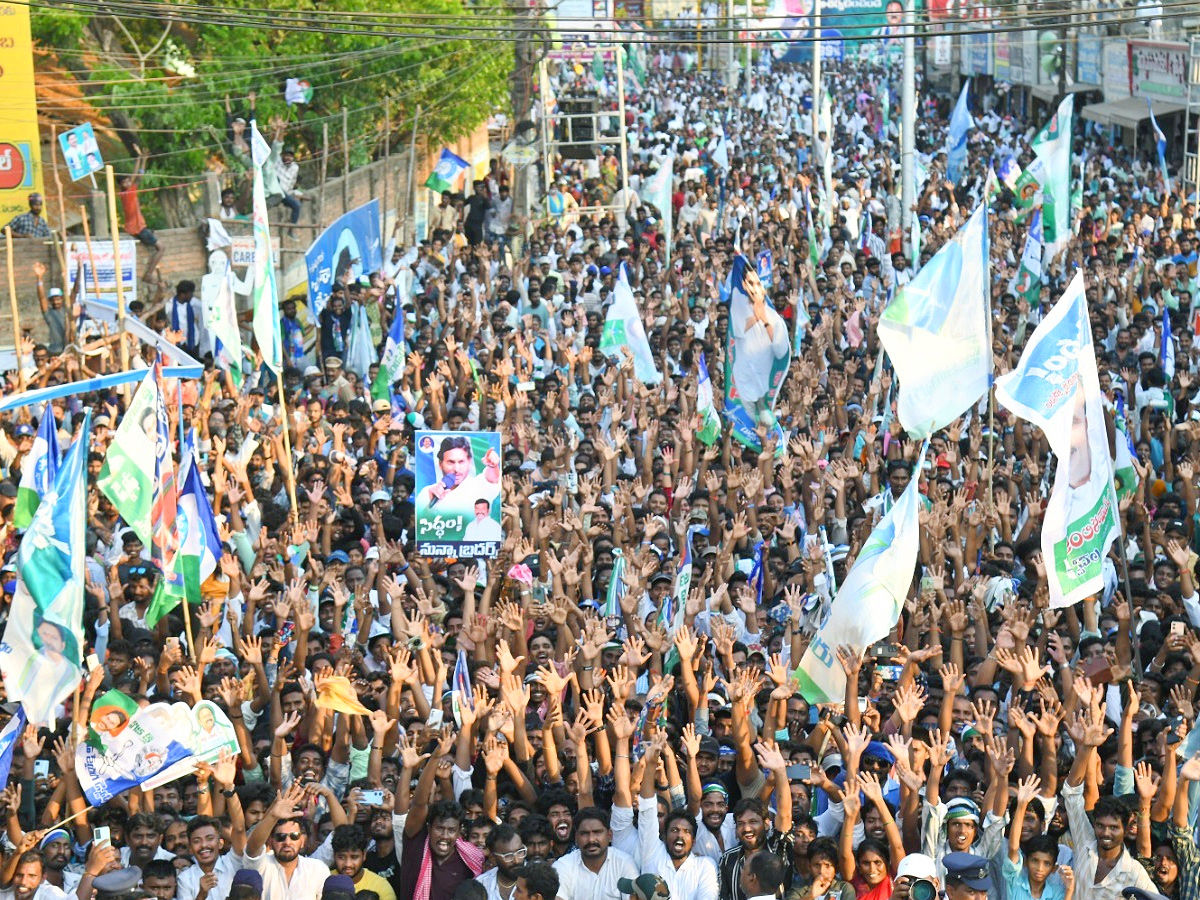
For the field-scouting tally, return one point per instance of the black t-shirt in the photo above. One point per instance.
(386, 866)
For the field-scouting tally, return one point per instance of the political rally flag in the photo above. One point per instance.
(1160, 145)
(391, 361)
(1056, 387)
(41, 656)
(935, 331)
(38, 470)
(960, 123)
(199, 540)
(1027, 283)
(757, 356)
(869, 602)
(710, 422)
(1166, 353)
(127, 475)
(450, 173)
(1052, 146)
(8, 741)
(164, 514)
(264, 294)
(623, 328)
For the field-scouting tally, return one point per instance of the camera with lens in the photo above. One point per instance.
(922, 889)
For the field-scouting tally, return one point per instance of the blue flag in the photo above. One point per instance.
(1160, 144)
(1166, 353)
(756, 361)
(8, 742)
(960, 123)
(38, 470)
(42, 653)
(461, 687)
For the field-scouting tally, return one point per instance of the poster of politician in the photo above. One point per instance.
(458, 493)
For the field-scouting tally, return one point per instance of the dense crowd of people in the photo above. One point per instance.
(990, 745)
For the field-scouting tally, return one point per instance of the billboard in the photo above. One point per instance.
(1158, 70)
(20, 149)
(350, 247)
(458, 494)
(867, 28)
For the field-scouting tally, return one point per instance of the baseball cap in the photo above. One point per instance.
(338, 887)
(249, 878)
(917, 865)
(25, 431)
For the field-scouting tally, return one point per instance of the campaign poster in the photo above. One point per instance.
(100, 254)
(458, 494)
(80, 151)
(349, 248)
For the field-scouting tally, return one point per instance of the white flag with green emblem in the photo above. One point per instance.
(127, 476)
(623, 328)
(266, 300)
(1052, 146)
(710, 422)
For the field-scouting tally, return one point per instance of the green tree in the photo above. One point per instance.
(161, 79)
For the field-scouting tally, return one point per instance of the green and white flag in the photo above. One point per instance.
(710, 425)
(391, 361)
(41, 656)
(1027, 283)
(935, 331)
(1052, 145)
(1055, 386)
(220, 317)
(623, 328)
(37, 471)
(265, 296)
(199, 541)
(127, 476)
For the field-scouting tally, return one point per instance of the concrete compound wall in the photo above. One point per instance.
(184, 251)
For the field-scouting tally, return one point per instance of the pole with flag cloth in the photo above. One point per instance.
(266, 301)
(960, 123)
(616, 590)
(164, 510)
(461, 690)
(1056, 387)
(41, 656)
(870, 600)
(8, 741)
(391, 361)
(1166, 353)
(710, 422)
(935, 331)
(623, 328)
(37, 470)
(200, 547)
(1160, 145)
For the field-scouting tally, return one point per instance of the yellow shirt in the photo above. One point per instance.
(369, 881)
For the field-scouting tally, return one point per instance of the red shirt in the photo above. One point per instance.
(135, 222)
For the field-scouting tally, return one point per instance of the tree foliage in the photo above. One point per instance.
(162, 84)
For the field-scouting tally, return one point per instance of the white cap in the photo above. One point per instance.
(917, 865)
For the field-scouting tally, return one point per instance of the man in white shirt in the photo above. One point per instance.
(286, 874)
(592, 870)
(28, 882)
(687, 875)
(211, 875)
(507, 853)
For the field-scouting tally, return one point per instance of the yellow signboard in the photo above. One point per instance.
(20, 149)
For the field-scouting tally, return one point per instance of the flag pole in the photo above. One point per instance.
(87, 237)
(287, 449)
(16, 313)
(70, 818)
(116, 248)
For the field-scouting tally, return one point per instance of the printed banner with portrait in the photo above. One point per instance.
(458, 493)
